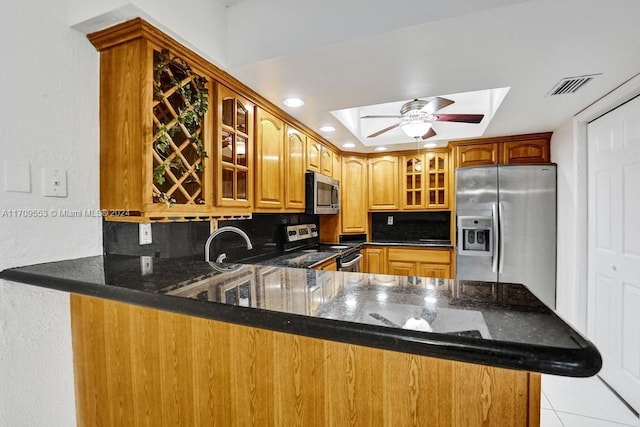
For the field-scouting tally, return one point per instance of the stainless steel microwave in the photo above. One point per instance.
(322, 194)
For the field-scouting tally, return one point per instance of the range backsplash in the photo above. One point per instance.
(187, 239)
(410, 226)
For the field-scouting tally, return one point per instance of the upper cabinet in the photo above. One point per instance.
(353, 198)
(437, 179)
(234, 151)
(534, 150)
(383, 183)
(269, 162)
(155, 132)
(314, 155)
(528, 148)
(295, 166)
(180, 139)
(326, 162)
(412, 170)
(477, 154)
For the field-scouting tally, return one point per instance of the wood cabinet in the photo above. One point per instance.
(477, 155)
(269, 162)
(178, 135)
(374, 260)
(326, 162)
(337, 167)
(424, 180)
(526, 151)
(353, 197)
(414, 261)
(155, 136)
(413, 181)
(402, 268)
(295, 166)
(437, 180)
(234, 151)
(408, 261)
(383, 183)
(167, 368)
(527, 148)
(328, 265)
(314, 155)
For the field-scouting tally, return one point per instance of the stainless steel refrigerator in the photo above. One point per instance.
(506, 226)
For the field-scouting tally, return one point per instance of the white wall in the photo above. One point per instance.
(49, 76)
(569, 151)
(562, 153)
(200, 25)
(49, 119)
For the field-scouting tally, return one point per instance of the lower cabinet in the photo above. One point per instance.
(329, 265)
(408, 261)
(374, 260)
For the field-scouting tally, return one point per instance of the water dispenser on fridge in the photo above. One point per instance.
(475, 235)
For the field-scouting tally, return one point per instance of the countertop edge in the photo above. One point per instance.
(582, 362)
(411, 244)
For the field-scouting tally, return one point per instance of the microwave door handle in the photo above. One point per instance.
(496, 238)
(334, 196)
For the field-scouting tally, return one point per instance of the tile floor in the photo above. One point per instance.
(582, 402)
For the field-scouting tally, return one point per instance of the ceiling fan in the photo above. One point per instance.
(417, 117)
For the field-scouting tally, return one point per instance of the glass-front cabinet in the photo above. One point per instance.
(413, 182)
(424, 178)
(437, 187)
(234, 150)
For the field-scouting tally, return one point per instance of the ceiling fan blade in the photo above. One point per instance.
(436, 104)
(430, 133)
(380, 132)
(381, 117)
(460, 118)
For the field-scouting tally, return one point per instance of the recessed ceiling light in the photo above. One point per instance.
(293, 102)
(430, 145)
(349, 145)
(381, 148)
(327, 129)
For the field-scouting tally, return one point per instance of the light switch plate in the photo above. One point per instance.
(54, 182)
(17, 176)
(145, 233)
(390, 220)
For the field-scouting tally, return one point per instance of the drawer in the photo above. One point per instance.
(433, 256)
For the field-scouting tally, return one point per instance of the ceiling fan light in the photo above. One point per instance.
(415, 129)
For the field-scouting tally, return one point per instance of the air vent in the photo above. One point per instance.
(571, 84)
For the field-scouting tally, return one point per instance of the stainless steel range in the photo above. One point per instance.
(304, 237)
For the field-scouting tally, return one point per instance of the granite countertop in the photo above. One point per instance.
(417, 243)
(309, 258)
(486, 323)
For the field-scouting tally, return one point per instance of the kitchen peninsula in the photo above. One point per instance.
(263, 345)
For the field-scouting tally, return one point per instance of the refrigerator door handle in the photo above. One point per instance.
(501, 225)
(496, 238)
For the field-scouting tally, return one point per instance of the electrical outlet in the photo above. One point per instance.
(390, 220)
(145, 234)
(146, 265)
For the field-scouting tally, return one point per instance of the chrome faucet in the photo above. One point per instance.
(222, 256)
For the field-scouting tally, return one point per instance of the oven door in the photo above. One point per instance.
(350, 262)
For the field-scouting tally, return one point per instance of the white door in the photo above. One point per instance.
(614, 246)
